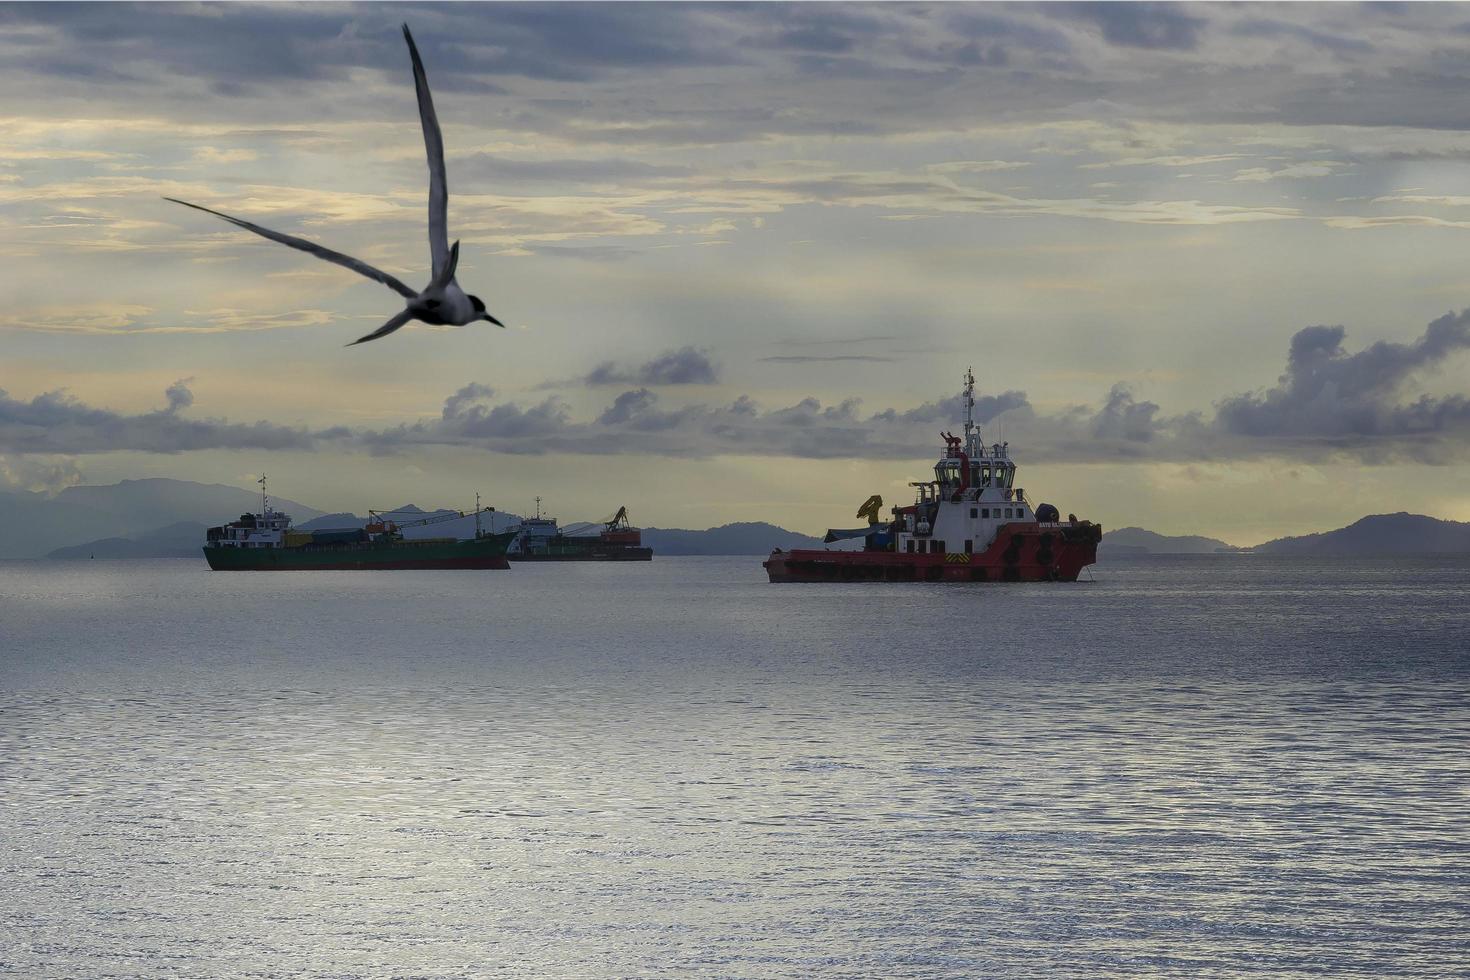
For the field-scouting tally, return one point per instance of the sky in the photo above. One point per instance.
(1208, 262)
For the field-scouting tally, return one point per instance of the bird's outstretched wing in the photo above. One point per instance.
(434, 144)
(442, 277)
(346, 261)
(385, 329)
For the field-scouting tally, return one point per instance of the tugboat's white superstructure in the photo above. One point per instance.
(970, 523)
(972, 496)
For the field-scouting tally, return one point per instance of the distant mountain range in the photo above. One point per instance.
(1137, 541)
(161, 518)
(180, 540)
(1381, 534)
(167, 518)
(33, 524)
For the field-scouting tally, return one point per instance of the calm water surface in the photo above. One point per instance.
(1196, 767)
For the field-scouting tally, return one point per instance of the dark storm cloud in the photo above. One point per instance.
(685, 366)
(1330, 394)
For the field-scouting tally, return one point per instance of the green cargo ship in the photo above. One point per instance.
(540, 539)
(267, 542)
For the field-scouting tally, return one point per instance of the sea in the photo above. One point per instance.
(1198, 766)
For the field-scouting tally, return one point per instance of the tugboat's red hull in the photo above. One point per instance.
(1020, 553)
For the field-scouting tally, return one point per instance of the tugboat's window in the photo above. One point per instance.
(911, 545)
(985, 512)
(974, 512)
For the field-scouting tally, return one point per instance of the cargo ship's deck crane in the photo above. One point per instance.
(381, 522)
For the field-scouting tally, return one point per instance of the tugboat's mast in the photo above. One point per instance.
(974, 446)
(265, 507)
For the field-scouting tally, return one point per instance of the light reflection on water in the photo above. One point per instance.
(1197, 767)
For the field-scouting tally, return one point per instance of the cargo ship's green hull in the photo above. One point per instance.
(487, 551)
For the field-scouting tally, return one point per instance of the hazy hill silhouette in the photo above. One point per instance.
(1379, 534)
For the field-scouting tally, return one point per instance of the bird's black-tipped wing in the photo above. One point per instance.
(385, 329)
(434, 145)
(346, 261)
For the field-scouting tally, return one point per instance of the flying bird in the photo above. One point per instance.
(441, 302)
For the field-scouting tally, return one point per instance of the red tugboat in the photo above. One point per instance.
(971, 523)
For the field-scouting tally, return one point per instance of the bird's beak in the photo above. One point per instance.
(487, 316)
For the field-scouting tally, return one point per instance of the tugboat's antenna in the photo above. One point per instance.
(265, 507)
(538, 508)
(477, 515)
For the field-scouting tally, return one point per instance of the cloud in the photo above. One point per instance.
(39, 474)
(1329, 403)
(485, 167)
(1138, 25)
(1123, 417)
(1353, 399)
(685, 366)
(823, 358)
(179, 396)
(987, 409)
(1293, 171)
(213, 154)
(57, 423)
(626, 406)
(129, 319)
(1276, 29)
(465, 397)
